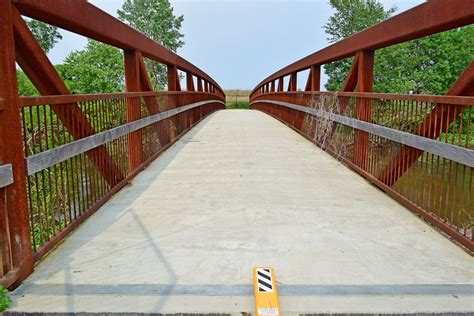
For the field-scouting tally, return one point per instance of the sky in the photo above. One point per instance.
(239, 43)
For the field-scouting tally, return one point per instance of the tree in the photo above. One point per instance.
(428, 65)
(25, 86)
(96, 69)
(155, 19)
(46, 35)
(351, 16)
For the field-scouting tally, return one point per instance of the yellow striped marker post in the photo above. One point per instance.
(265, 291)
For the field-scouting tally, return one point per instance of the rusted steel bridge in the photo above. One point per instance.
(63, 157)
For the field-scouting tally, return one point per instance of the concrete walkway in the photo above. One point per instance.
(240, 190)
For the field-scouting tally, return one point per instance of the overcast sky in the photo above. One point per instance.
(239, 43)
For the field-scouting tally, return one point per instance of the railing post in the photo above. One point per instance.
(14, 234)
(292, 83)
(315, 78)
(173, 85)
(199, 84)
(280, 84)
(173, 79)
(364, 84)
(189, 82)
(132, 82)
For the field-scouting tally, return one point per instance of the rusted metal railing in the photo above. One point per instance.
(62, 156)
(66, 181)
(417, 148)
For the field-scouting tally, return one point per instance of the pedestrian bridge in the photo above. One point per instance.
(241, 189)
(164, 202)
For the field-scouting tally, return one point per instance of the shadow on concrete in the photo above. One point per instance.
(165, 158)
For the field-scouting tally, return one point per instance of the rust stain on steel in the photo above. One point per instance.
(365, 75)
(133, 108)
(16, 254)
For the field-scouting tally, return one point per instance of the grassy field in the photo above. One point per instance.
(237, 99)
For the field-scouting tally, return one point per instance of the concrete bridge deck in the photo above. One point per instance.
(240, 190)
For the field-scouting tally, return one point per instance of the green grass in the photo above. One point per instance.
(238, 106)
(4, 299)
(237, 99)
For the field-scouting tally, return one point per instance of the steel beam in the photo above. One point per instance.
(199, 84)
(46, 79)
(133, 82)
(313, 83)
(15, 245)
(56, 155)
(350, 82)
(280, 84)
(145, 85)
(432, 126)
(172, 78)
(364, 84)
(189, 82)
(449, 151)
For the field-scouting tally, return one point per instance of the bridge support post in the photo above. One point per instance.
(292, 83)
(173, 78)
(280, 84)
(132, 82)
(364, 84)
(314, 79)
(199, 84)
(16, 255)
(189, 82)
(173, 85)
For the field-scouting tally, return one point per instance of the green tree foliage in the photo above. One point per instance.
(428, 65)
(155, 19)
(351, 16)
(46, 35)
(25, 86)
(96, 69)
(4, 299)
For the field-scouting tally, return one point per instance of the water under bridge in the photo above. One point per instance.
(164, 202)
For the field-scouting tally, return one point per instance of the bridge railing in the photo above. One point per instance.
(67, 176)
(62, 156)
(417, 148)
